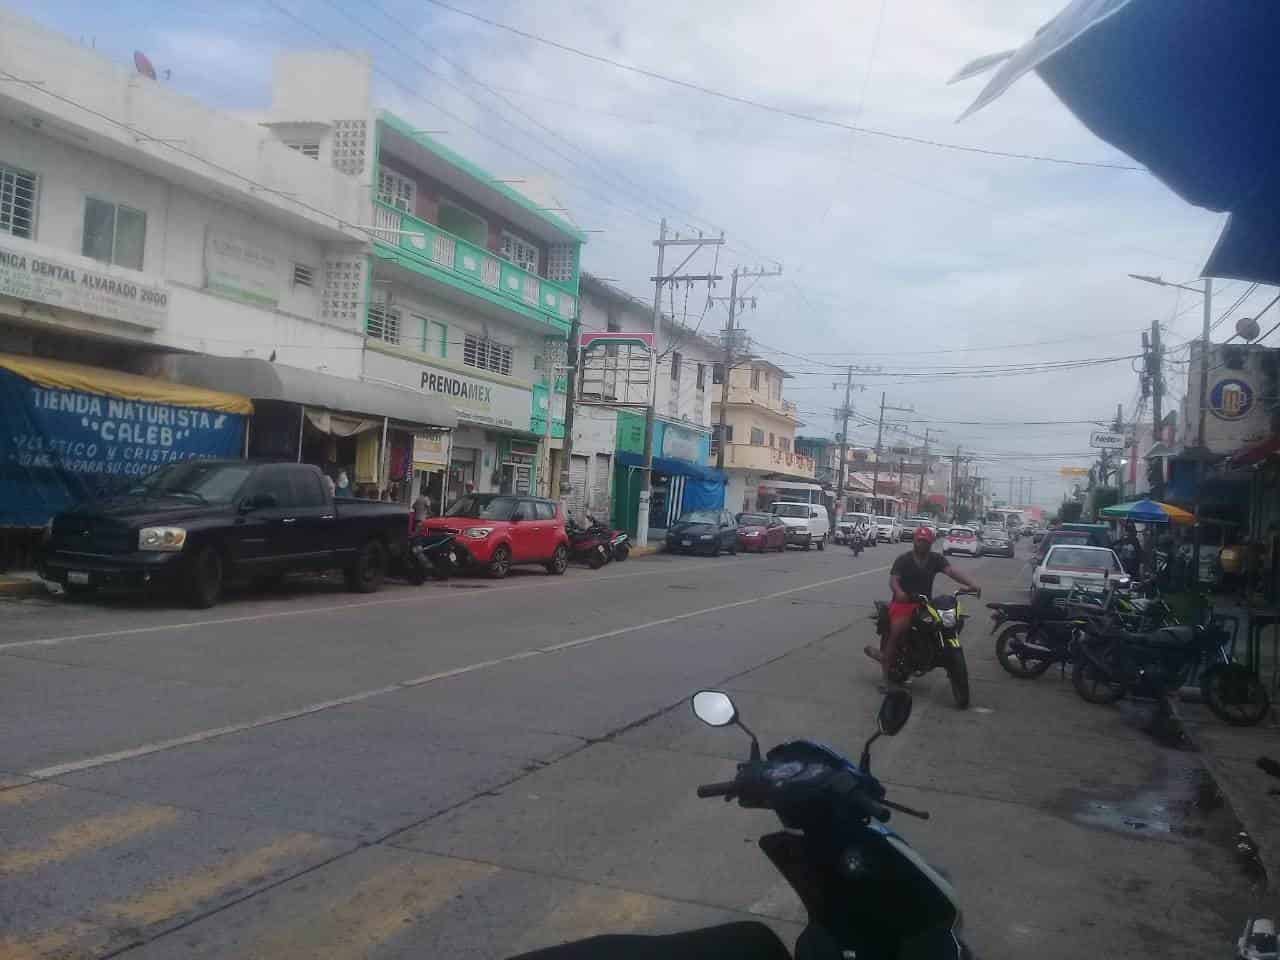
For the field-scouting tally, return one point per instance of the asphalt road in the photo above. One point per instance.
(480, 768)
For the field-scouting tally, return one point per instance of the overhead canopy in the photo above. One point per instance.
(670, 466)
(1148, 511)
(261, 380)
(1188, 89)
(59, 375)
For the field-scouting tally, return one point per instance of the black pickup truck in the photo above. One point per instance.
(194, 525)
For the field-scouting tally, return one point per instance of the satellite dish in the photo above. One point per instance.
(1247, 328)
(143, 65)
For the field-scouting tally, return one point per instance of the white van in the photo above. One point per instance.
(806, 523)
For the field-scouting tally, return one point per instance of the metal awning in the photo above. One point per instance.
(261, 380)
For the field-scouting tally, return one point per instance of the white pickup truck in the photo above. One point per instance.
(806, 523)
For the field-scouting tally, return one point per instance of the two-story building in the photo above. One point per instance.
(759, 433)
(613, 389)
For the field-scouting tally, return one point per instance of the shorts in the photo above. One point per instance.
(902, 611)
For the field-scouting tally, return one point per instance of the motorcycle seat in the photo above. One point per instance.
(1178, 636)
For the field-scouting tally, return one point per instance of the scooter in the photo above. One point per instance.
(867, 893)
(620, 544)
(432, 555)
(591, 544)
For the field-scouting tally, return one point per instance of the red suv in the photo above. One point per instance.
(495, 530)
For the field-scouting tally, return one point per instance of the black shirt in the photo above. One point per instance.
(915, 577)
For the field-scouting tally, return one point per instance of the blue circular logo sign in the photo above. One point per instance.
(1231, 399)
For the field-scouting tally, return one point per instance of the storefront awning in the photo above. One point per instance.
(262, 380)
(670, 466)
(59, 375)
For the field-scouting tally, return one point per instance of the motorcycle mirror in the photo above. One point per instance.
(895, 711)
(714, 708)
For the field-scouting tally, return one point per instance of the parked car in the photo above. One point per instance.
(847, 525)
(807, 523)
(1068, 566)
(907, 528)
(1258, 942)
(1084, 538)
(192, 526)
(997, 543)
(962, 540)
(703, 531)
(759, 532)
(499, 530)
(887, 529)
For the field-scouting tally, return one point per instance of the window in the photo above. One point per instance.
(702, 376)
(485, 354)
(397, 190)
(675, 367)
(755, 379)
(717, 373)
(435, 336)
(383, 323)
(306, 489)
(784, 443)
(772, 440)
(545, 510)
(757, 437)
(462, 223)
(303, 276)
(728, 432)
(309, 150)
(17, 202)
(560, 265)
(275, 482)
(114, 233)
(519, 251)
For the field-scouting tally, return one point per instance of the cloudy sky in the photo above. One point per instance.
(896, 256)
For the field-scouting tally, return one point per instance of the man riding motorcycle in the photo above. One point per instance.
(910, 577)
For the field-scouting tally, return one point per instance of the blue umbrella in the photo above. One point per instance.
(1148, 511)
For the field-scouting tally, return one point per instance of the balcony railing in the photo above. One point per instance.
(753, 457)
(435, 252)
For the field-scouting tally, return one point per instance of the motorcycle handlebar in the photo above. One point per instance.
(868, 807)
(722, 789)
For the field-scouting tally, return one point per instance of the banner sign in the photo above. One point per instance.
(59, 447)
(476, 399)
(236, 267)
(589, 340)
(70, 283)
(1108, 441)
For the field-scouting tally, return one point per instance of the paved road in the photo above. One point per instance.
(480, 768)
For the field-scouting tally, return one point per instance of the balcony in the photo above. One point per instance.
(744, 396)
(747, 456)
(426, 249)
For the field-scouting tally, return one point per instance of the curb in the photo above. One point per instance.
(647, 550)
(21, 587)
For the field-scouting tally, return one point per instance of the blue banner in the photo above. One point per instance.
(60, 447)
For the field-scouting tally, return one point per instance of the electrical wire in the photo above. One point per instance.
(783, 111)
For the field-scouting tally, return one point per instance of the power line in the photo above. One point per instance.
(782, 111)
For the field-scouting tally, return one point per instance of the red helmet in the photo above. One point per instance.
(924, 534)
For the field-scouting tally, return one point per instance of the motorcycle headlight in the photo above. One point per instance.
(478, 533)
(162, 538)
(706, 536)
(948, 617)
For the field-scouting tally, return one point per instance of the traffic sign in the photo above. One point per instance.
(1107, 441)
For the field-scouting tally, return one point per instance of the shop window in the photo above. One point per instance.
(114, 233)
(383, 323)
(486, 354)
(717, 373)
(675, 367)
(17, 202)
(519, 251)
(397, 190)
(702, 376)
(755, 380)
(757, 437)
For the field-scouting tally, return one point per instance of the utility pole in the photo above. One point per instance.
(730, 334)
(844, 440)
(1155, 375)
(1200, 441)
(660, 280)
(875, 476)
(570, 396)
(924, 467)
(1011, 491)
(953, 489)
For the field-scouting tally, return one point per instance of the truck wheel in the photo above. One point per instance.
(500, 563)
(822, 543)
(369, 569)
(559, 561)
(205, 574)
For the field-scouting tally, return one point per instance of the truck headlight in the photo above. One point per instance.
(477, 533)
(162, 538)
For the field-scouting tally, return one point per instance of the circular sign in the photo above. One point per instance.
(1231, 399)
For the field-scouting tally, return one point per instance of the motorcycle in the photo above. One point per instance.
(591, 544)
(432, 555)
(933, 641)
(860, 538)
(619, 545)
(1113, 662)
(867, 893)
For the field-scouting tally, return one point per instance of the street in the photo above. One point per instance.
(479, 768)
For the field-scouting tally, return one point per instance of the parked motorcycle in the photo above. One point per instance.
(619, 544)
(591, 544)
(432, 555)
(1113, 662)
(867, 893)
(933, 641)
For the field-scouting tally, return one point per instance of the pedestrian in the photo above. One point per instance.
(329, 486)
(343, 487)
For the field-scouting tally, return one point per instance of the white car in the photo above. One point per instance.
(848, 524)
(1068, 566)
(961, 540)
(806, 523)
(1258, 942)
(888, 530)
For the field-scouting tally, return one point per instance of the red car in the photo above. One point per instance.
(761, 532)
(496, 530)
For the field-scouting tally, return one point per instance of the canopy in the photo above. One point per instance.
(1148, 511)
(1184, 87)
(671, 467)
(262, 380)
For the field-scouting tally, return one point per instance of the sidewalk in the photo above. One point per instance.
(21, 583)
(1230, 754)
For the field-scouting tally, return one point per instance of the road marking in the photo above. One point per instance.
(200, 736)
(378, 908)
(102, 831)
(416, 597)
(56, 943)
(27, 793)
